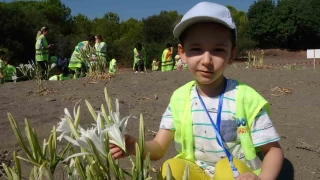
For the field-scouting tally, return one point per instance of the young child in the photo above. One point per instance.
(155, 65)
(219, 125)
(166, 59)
(65, 75)
(10, 71)
(113, 66)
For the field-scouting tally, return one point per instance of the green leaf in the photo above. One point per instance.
(28, 134)
(50, 149)
(18, 135)
(107, 149)
(147, 165)
(17, 164)
(141, 142)
(72, 127)
(77, 118)
(44, 148)
(112, 165)
(105, 115)
(138, 162)
(96, 154)
(29, 161)
(121, 174)
(37, 144)
(80, 169)
(108, 100)
(7, 170)
(93, 114)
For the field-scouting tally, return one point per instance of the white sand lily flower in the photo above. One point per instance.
(64, 128)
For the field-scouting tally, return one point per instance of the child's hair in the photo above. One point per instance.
(91, 38)
(233, 37)
(99, 37)
(138, 46)
(43, 29)
(168, 45)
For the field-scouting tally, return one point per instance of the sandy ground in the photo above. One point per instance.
(296, 114)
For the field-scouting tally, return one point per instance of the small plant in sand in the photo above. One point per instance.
(98, 70)
(42, 79)
(294, 66)
(27, 69)
(86, 156)
(255, 61)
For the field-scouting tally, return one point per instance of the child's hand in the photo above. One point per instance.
(118, 153)
(248, 176)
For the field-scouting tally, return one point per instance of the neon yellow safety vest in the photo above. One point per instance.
(60, 77)
(113, 66)
(135, 57)
(166, 63)
(9, 72)
(80, 55)
(101, 50)
(248, 105)
(42, 52)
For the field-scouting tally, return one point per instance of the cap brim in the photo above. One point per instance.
(182, 26)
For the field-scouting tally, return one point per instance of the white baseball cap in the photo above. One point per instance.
(205, 12)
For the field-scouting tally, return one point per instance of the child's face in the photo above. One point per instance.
(207, 50)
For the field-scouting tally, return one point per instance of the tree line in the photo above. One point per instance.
(289, 24)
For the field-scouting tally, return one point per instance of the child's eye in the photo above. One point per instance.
(219, 50)
(195, 49)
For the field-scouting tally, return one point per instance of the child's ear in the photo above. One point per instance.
(182, 53)
(233, 55)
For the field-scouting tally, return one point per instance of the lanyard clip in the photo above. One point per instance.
(234, 169)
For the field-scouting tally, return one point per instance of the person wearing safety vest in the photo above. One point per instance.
(166, 60)
(81, 57)
(61, 77)
(113, 66)
(220, 126)
(101, 49)
(155, 64)
(9, 71)
(42, 50)
(139, 58)
(2, 67)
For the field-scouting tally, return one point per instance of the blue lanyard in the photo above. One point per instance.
(217, 129)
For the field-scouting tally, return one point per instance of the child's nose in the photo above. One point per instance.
(206, 60)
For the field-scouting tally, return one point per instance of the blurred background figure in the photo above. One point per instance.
(101, 49)
(166, 61)
(42, 50)
(81, 57)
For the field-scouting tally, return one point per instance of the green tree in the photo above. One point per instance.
(262, 26)
(243, 40)
(298, 24)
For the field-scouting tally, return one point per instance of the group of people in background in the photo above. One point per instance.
(168, 63)
(86, 54)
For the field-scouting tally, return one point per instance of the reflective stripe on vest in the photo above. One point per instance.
(182, 118)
